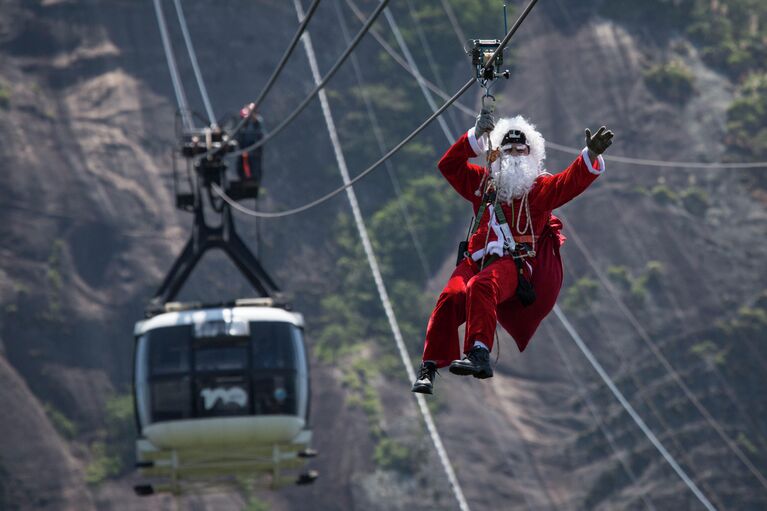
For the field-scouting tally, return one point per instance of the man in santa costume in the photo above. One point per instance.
(511, 272)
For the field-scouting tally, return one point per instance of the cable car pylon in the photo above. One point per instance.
(204, 237)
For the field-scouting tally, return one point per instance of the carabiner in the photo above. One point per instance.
(488, 95)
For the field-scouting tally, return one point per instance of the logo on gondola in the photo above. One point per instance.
(234, 395)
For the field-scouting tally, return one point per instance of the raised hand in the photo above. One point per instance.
(599, 142)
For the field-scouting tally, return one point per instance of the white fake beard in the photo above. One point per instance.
(514, 176)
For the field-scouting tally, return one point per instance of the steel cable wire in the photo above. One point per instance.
(377, 276)
(637, 325)
(560, 147)
(283, 61)
(639, 422)
(319, 86)
(195, 65)
(592, 407)
(378, 133)
(171, 60)
(645, 337)
(630, 409)
(461, 91)
(371, 168)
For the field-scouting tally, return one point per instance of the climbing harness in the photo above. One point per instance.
(518, 248)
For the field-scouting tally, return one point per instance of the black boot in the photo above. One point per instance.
(475, 363)
(424, 383)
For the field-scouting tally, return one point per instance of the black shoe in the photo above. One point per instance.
(475, 363)
(425, 381)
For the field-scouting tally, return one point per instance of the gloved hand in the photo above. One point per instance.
(485, 122)
(599, 142)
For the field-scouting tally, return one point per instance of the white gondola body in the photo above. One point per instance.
(215, 406)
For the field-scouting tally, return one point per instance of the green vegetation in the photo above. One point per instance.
(621, 276)
(66, 427)
(351, 331)
(580, 295)
(709, 351)
(256, 504)
(746, 443)
(731, 36)
(747, 119)
(695, 200)
(5, 96)
(663, 194)
(672, 82)
(112, 453)
(391, 455)
(636, 288)
(102, 465)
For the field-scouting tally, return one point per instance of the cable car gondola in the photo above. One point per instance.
(221, 392)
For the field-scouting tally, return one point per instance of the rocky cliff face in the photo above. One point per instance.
(89, 229)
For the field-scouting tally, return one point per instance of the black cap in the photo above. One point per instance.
(514, 137)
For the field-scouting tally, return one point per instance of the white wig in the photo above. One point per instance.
(534, 139)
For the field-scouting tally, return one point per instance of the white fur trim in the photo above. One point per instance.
(478, 145)
(534, 138)
(589, 165)
(494, 247)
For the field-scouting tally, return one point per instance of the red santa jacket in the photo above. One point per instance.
(547, 193)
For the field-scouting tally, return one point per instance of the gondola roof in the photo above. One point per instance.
(233, 312)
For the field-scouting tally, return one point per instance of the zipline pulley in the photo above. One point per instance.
(481, 51)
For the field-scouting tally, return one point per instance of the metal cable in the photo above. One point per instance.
(630, 409)
(177, 88)
(454, 22)
(378, 133)
(327, 196)
(193, 59)
(637, 325)
(416, 73)
(320, 85)
(373, 263)
(283, 61)
(388, 155)
(593, 411)
(567, 149)
(429, 55)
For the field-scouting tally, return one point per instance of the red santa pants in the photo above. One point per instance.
(483, 298)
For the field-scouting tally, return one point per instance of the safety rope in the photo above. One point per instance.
(377, 276)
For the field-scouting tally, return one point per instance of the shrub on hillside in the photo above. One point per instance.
(5, 96)
(747, 119)
(695, 200)
(672, 82)
(580, 295)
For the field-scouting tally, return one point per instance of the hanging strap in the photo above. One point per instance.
(487, 198)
